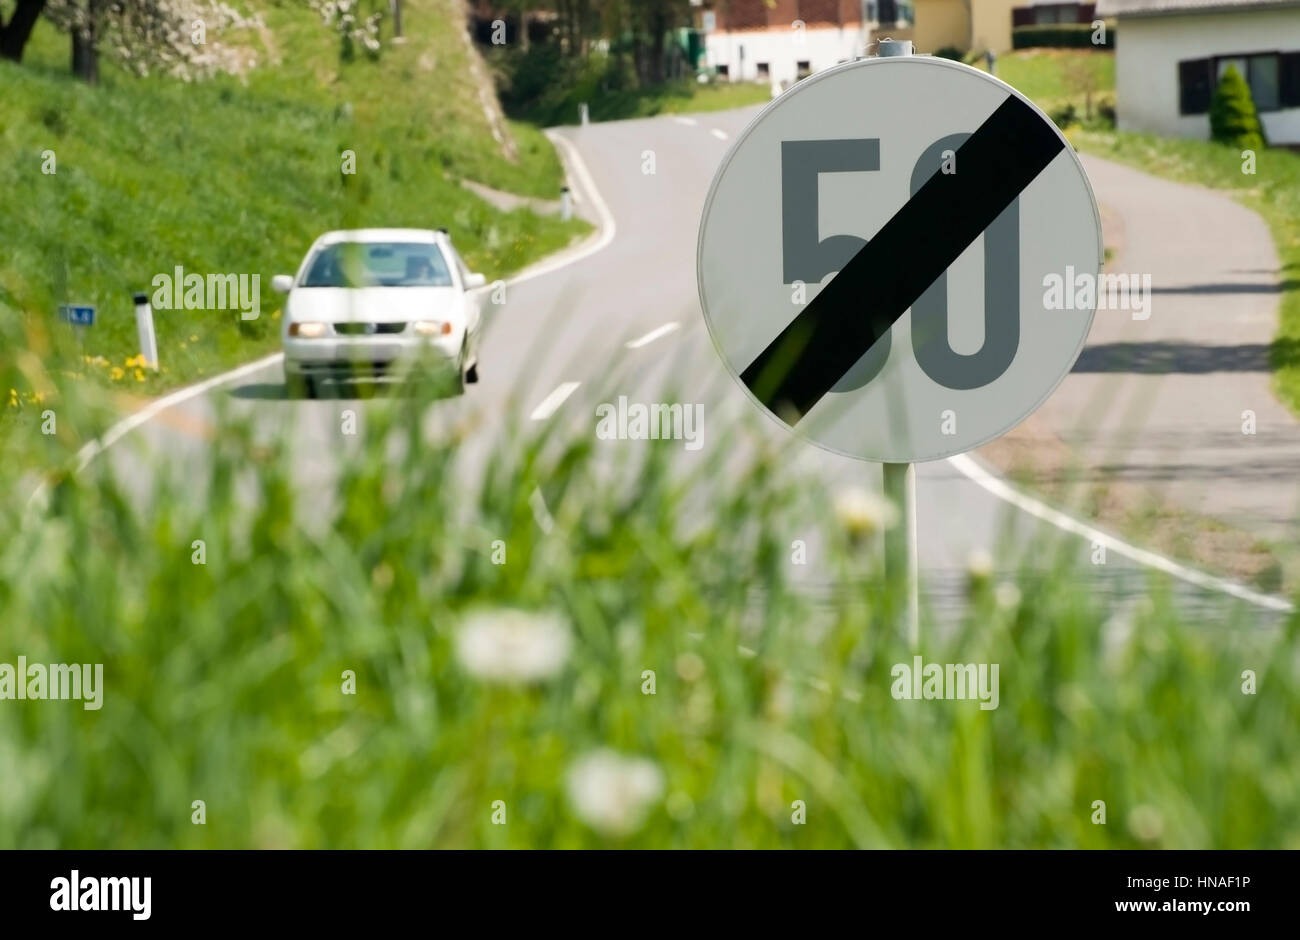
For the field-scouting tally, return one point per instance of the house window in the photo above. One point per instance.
(724, 71)
(1194, 86)
(802, 68)
(763, 70)
(1262, 74)
(1289, 79)
(1274, 80)
(1056, 13)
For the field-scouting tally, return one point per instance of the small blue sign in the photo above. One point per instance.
(77, 316)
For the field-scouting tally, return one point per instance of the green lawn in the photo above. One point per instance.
(1054, 77)
(239, 175)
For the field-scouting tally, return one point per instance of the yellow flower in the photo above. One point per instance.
(193, 338)
(116, 373)
(139, 375)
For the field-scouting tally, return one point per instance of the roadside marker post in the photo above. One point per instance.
(79, 317)
(144, 327)
(566, 204)
(872, 262)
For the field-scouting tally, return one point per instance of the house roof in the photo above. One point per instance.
(1170, 7)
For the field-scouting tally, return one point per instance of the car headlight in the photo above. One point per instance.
(308, 329)
(433, 328)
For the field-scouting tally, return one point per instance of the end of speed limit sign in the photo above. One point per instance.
(874, 254)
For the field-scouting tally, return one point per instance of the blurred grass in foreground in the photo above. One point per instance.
(223, 682)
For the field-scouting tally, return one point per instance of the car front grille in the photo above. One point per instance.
(368, 329)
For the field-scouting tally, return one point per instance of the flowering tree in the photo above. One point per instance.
(178, 37)
(355, 27)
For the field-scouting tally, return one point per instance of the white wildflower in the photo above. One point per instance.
(612, 793)
(513, 645)
(863, 512)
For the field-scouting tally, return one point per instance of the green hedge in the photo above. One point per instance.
(1061, 36)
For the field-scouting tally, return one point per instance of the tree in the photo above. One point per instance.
(15, 33)
(1081, 78)
(178, 37)
(1233, 119)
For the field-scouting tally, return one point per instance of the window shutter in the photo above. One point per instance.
(1194, 86)
(1289, 79)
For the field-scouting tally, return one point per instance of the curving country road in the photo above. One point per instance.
(626, 305)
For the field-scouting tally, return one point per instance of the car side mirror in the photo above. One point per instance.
(475, 280)
(281, 283)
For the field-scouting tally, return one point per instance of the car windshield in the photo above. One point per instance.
(378, 264)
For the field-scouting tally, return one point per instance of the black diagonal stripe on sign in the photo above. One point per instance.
(894, 268)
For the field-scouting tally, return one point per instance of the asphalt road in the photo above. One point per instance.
(561, 344)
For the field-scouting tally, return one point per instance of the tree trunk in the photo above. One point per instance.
(658, 29)
(85, 46)
(15, 33)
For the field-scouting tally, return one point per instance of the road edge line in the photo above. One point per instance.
(970, 468)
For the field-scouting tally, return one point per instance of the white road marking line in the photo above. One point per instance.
(653, 335)
(87, 454)
(551, 403)
(721, 135)
(968, 468)
(689, 122)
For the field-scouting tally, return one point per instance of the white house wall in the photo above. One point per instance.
(781, 50)
(1150, 48)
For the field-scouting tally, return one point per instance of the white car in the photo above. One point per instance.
(378, 303)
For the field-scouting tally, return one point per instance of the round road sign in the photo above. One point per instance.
(876, 253)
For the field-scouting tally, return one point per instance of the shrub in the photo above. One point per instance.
(1064, 116)
(1061, 36)
(1233, 119)
(950, 52)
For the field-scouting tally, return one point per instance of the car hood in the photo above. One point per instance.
(374, 304)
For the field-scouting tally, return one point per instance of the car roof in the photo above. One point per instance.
(366, 235)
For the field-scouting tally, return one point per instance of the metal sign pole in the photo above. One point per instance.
(900, 544)
(900, 489)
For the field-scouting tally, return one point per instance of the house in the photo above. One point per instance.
(965, 25)
(987, 25)
(781, 41)
(1171, 53)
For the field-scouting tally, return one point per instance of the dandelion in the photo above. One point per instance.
(612, 793)
(689, 667)
(116, 373)
(1007, 596)
(512, 645)
(1145, 823)
(863, 512)
(979, 569)
(979, 565)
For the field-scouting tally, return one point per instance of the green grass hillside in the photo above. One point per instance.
(238, 174)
